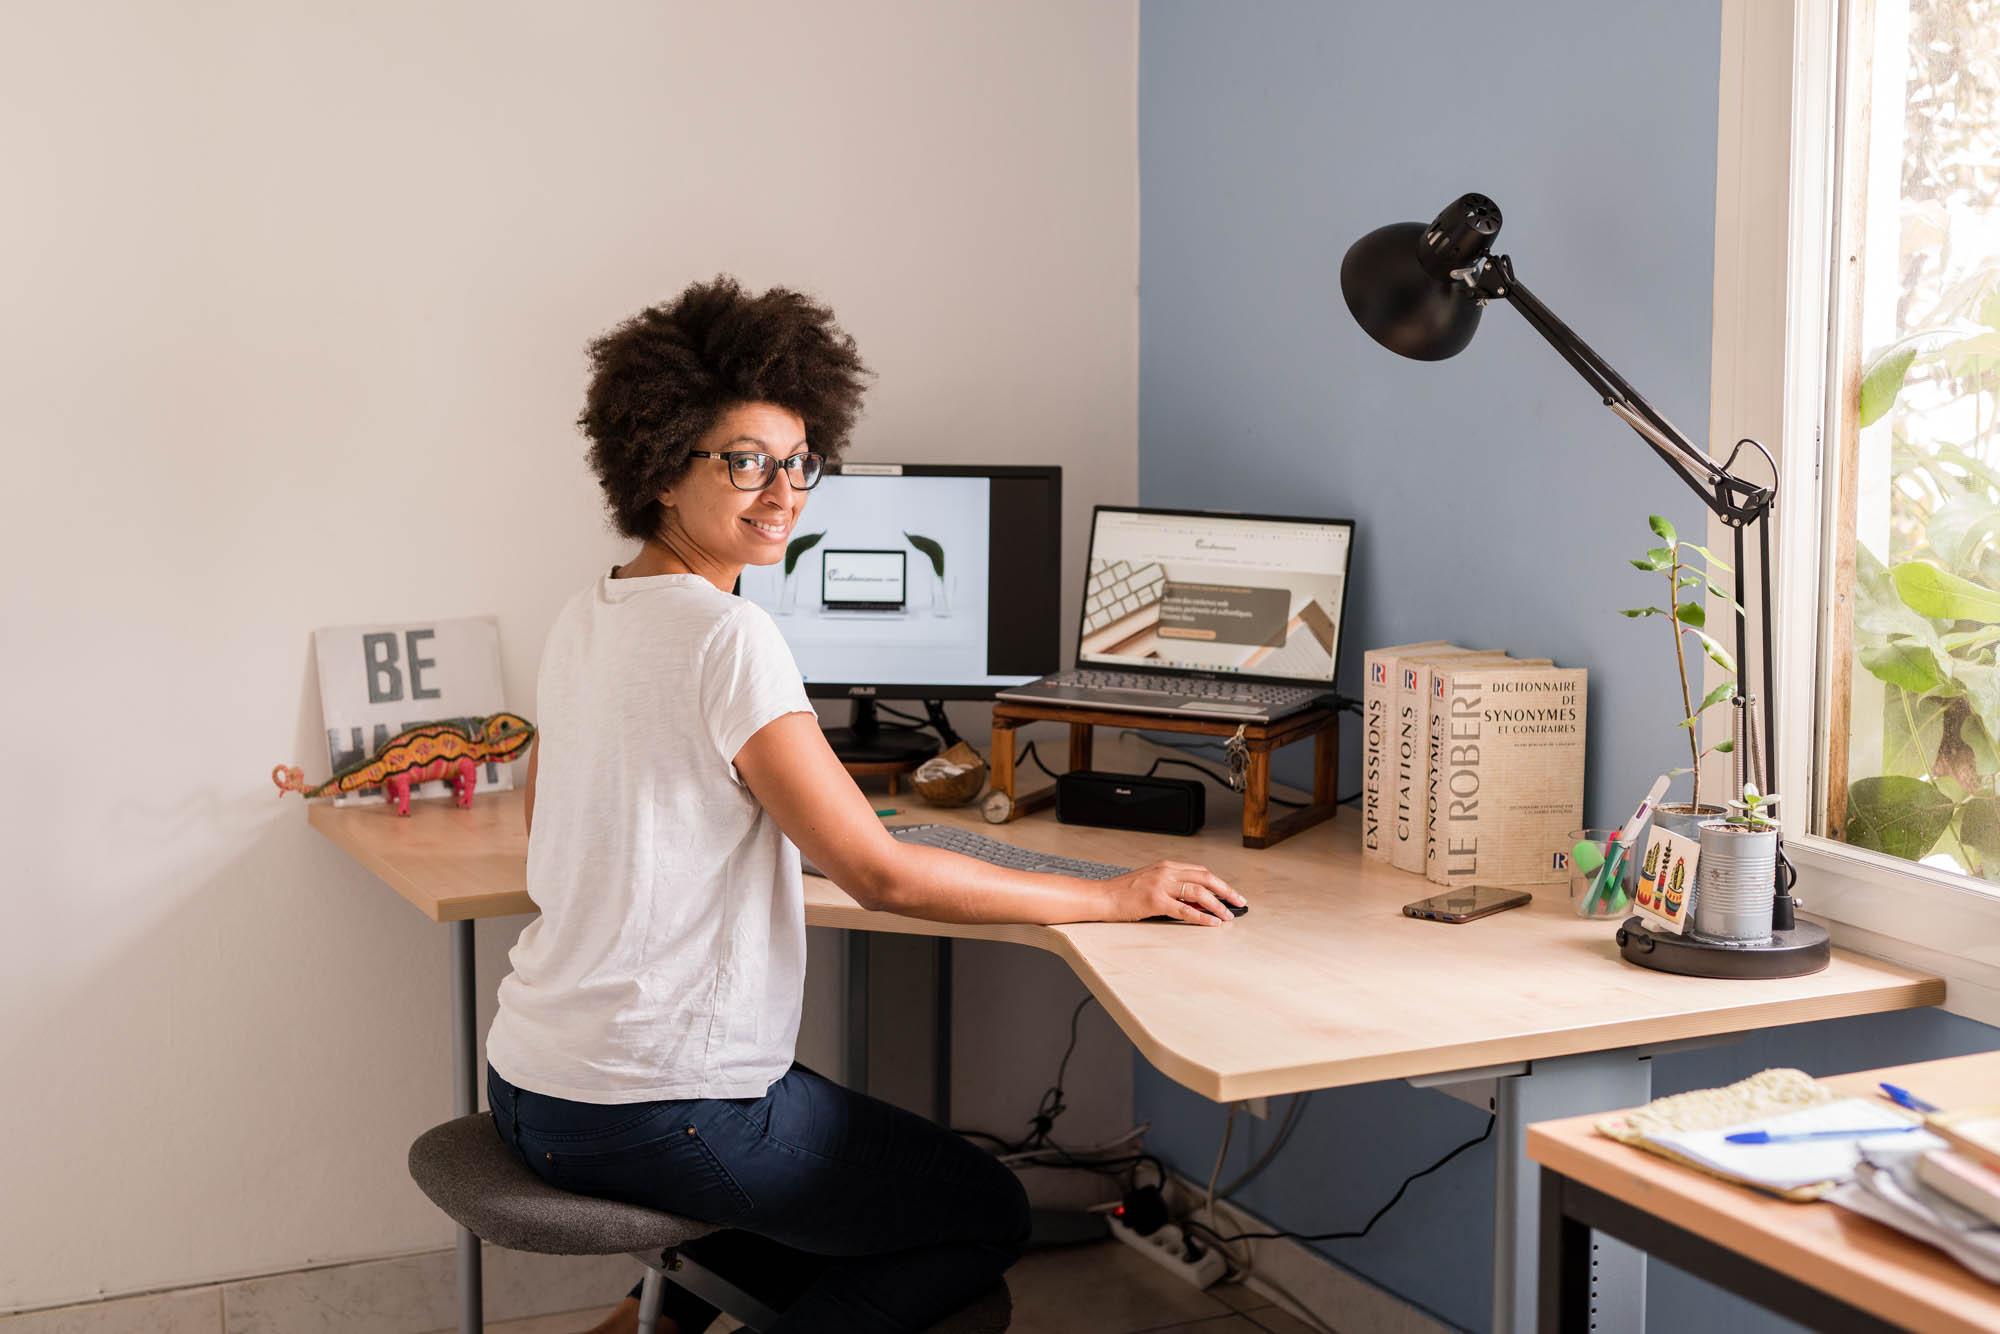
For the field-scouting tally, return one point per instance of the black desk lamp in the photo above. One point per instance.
(1418, 290)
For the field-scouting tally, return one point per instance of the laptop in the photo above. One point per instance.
(851, 580)
(1208, 615)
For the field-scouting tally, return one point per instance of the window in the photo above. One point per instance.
(1858, 164)
(1910, 757)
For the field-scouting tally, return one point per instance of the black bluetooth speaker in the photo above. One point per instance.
(1127, 801)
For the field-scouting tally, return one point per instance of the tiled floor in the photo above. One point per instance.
(1101, 1289)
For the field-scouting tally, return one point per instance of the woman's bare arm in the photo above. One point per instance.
(795, 775)
(528, 801)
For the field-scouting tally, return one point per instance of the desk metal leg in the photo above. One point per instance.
(1566, 1086)
(1564, 1295)
(465, 1101)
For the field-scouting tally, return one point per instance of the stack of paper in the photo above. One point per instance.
(1787, 1166)
(1886, 1188)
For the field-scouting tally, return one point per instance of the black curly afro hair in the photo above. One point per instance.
(661, 380)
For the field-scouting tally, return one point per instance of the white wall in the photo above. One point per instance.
(295, 304)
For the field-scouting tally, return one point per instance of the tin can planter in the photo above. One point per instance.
(1685, 818)
(1733, 882)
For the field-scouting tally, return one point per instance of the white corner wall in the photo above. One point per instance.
(295, 305)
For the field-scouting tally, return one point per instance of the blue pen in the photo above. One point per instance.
(1781, 1137)
(1905, 1098)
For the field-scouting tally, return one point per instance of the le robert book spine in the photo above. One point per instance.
(1510, 787)
(1436, 723)
(1378, 701)
(1406, 831)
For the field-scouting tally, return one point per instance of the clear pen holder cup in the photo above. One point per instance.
(1602, 876)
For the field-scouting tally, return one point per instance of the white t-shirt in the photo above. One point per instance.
(669, 958)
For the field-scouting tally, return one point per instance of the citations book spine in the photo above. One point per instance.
(1436, 720)
(1406, 832)
(1378, 699)
(1511, 786)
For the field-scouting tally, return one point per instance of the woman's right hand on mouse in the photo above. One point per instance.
(1180, 890)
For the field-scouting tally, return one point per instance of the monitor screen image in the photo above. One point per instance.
(920, 581)
(863, 580)
(1216, 593)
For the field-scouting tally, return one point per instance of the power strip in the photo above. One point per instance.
(1168, 1248)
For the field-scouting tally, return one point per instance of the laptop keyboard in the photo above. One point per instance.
(1118, 588)
(995, 853)
(1190, 687)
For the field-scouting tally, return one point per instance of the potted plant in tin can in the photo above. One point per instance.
(1687, 568)
(1739, 865)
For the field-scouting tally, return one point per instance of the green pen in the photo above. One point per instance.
(888, 810)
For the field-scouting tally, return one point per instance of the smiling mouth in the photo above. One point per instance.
(769, 529)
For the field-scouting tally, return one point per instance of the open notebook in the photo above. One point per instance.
(1786, 1167)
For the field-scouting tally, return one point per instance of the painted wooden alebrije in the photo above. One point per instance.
(420, 754)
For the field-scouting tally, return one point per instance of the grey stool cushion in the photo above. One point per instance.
(471, 1174)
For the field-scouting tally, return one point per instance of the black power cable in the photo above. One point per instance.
(1051, 1105)
(1393, 1199)
(1028, 754)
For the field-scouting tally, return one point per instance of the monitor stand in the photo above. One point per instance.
(866, 741)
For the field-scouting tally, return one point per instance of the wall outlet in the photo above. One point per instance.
(1169, 1248)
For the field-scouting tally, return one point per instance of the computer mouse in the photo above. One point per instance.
(1235, 910)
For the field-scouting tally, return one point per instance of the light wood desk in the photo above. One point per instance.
(1324, 983)
(1815, 1263)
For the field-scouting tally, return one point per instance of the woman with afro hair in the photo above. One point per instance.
(643, 1047)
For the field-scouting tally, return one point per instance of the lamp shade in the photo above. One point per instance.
(1398, 284)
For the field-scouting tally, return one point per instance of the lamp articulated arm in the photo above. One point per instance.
(1737, 502)
(1419, 289)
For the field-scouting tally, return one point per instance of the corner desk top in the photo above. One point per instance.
(1856, 1259)
(1323, 983)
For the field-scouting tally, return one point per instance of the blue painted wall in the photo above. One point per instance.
(1496, 500)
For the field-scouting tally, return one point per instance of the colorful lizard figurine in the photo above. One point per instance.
(420, 754)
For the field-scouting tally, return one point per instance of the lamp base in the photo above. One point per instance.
(1804, 949)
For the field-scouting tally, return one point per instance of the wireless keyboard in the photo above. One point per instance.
(993, 851)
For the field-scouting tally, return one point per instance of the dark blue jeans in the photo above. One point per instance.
(842, 1211)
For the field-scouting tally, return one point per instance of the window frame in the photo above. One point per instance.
(1784, 94)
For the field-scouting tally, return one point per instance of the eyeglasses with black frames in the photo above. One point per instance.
(753, 470)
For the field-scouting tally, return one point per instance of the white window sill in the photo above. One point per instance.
(1930, 920)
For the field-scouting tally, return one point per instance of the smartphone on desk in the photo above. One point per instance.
(1462, 905)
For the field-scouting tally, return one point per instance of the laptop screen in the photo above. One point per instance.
(1185, 591)
(868, 579)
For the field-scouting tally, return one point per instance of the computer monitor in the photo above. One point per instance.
(1258, 597)
(914, 581)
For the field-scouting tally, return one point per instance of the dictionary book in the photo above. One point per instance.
(1510, 782)
(1437, 677)
(1378, 700)
(1406, 748)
